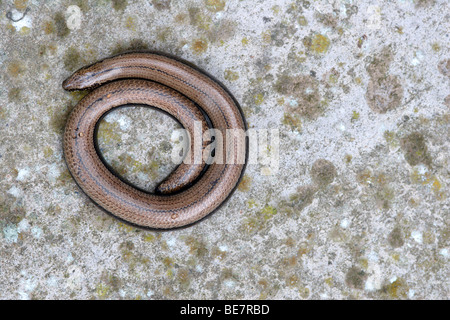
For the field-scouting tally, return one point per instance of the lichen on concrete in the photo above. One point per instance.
(357, 210)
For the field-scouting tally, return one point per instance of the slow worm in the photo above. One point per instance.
(192, 191)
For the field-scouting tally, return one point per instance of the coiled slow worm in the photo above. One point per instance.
(190, 193)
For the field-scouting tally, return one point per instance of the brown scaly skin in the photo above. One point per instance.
(190, 193)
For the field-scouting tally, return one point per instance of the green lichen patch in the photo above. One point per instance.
(292, 281)
(78, 95)
(15, 95)
(199, 46)
(218, 253)
(58, 117)
(127, 167)
(332, 77)
(131, 256)
(184, 277)
(252, 225)
(436, 47)
(131, 23)
(258, 98)
(293, 121)
(254, 97)
(348, 158)
(384, 195)
(415, 149)
(245, 184)
(102, 291)
(164, 33)
(378, 186)
(20, 4)
(60, 25)
(289, 262)
(444, 237)
(398, 289)
(268, 212)
(15, 68)
(3, 113)
(317, 44)
(197, 247)
(391, 139)
(119, 5)
(355, 116)
(83, 4)
(428, 179)
(72, 59)
(199, 19)
(231, 75)
(49, 27)
(149, 237)
(110, 283)
(64, 178)
(302, 21)
(109, 133)
(215, 5)
(168, 264)
(258, 221)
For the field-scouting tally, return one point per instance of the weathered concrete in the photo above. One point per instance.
(359, 208)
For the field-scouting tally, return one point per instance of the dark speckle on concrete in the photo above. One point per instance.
(355, 278)
(396, 238)
(415, 149)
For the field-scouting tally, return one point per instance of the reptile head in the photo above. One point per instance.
(80, 80)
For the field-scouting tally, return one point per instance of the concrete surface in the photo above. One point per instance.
(359, 208)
